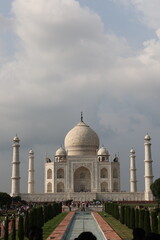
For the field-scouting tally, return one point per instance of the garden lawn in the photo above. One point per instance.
(49, 226)
(122, 230)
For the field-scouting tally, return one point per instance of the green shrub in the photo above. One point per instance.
(132, 218)
(13, 234)
(154, 221)
(136, 218)
(147, 225)
(6, 228)
(159, 223)
(20, 228)
(122, 210)
(141, 218)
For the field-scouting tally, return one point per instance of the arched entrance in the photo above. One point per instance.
(82, 180)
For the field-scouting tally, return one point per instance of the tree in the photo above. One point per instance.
(6, 228)
(26, 224)
(20, 228)
(5, 199)
(155, 188)
(13, 234)
(136, 218)
(16, 199)
(154, 221)
(128, 212)
(122, 214)
(132, 218)
(159, 223)
(141, 218)
(147, 225)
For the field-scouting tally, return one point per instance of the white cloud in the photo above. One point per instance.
(5, 23)
(149, 11)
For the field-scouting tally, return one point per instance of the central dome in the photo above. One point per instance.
(81, 140)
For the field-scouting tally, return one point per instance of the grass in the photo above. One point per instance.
(122, 230)
(49, 227)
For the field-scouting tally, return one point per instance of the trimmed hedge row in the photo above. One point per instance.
(36, 216)
(134, 217)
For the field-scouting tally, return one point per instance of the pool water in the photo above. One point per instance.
(82, 222)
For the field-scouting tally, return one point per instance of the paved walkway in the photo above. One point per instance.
(62, 227)
(109, 233)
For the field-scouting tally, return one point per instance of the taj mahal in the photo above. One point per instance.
(82, 171)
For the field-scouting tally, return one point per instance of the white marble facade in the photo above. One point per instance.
(81, 166)
(82, 171)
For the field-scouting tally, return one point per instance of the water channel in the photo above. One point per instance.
(82, 222)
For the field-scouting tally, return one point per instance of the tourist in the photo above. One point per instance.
(86, 236)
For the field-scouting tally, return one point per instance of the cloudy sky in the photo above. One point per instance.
(61, 57)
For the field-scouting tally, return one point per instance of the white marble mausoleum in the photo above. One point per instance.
(82, 170)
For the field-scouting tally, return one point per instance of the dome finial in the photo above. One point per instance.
(81, 116)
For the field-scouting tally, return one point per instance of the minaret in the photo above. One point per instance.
(31, 172)
(15, 188)
(148, 176)
(133, 180)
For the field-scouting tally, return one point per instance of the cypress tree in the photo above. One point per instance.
(37, 216)
(45, 214)
(136, 218)
(159, 223)
(31, 218)
(109, 208)
(141, 218)
(41, 217)
(125, 215)
(13, 234)
(154, 221)
(122, 214)
(50, 211)
(132, 218)
(106, 207)
(60, 207)
(6, 228)
(128, 217)
(20, 228)
(147, 225)
(26, 224)
(117, 212)
(114, 210)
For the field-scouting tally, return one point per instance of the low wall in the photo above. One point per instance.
(84, 196)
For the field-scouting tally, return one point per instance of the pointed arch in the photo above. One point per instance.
(104, 173)
(82, 180)
(60, 173)
(49, 187)
(49, 174)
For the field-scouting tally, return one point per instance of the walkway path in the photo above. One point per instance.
(108, 232)
(58, 233)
